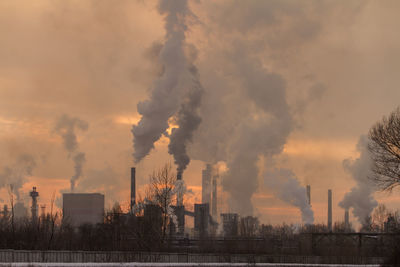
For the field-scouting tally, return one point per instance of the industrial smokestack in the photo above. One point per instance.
(133, 188)
(206, 185)
(34, 194)
(330, 210)
(309, 194)
(214, 196)
(179, 190)
(346, 219)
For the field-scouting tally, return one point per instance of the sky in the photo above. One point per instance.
(286, 85)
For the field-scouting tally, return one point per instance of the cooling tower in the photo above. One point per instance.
(133, 188)
(330, 210)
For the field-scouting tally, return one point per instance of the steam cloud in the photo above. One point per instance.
(288, 189)
(177, 92)
(256, 136)
(15, 175)
(360, 197)
(66, 127)
(254, 121)
(188, 121)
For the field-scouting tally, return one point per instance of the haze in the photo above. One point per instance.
(288, 85)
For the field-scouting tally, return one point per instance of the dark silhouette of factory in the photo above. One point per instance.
(81, 208)
(88, 208)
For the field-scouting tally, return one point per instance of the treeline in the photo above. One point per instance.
(121, 231)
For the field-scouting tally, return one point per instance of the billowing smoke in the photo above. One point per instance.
(66, 127)
(79, 159)
(15, 174)
(287, 188)
(188, 121)
(256, 136)
(360, 197)
(245, 115)
(102, 180)
(175, 94)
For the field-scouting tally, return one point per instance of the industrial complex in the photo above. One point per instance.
(88, 208)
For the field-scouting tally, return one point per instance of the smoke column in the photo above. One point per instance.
(287, 188)
(66, 127)
(188, 121)
(168, 89)
(15, 174)
(360, 197)
(79, 159)
(255, 136)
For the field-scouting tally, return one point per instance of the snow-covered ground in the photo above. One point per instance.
(141, 264)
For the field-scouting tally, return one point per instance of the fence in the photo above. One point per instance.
(129, 256)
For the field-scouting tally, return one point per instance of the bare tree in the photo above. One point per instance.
(380, 216)
(162, 185)
(384, 146)
(11, 194)
(53, 219)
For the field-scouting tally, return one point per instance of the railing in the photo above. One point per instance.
(127, 256)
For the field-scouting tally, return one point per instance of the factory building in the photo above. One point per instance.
(230, 223)
(83, 208)
(153, 218)
(201, 218)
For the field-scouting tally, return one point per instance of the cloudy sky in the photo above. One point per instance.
(289, 85)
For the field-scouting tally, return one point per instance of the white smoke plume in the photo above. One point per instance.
(360, 197)
(179, 190)
(175, 93)
(66, 127)
(256, 136)
(286, 187)
(79, 159)
(15, 175)
(188, 121)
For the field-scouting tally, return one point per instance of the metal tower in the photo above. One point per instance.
(34, 195)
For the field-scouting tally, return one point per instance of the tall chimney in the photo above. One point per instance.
(206, 185)
(133, 188)
(180, 209)
(330, 210)
(346, 219)
(214, 196)
(309, 194)
(179, 194)
(34, 194)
